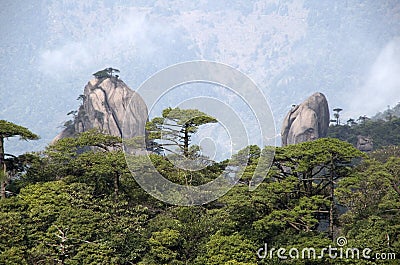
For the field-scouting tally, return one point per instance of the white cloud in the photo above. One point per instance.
(67, 58)
(382, 87)
(125, 39)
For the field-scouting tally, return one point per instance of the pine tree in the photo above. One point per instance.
(176, 127)
(9, 129)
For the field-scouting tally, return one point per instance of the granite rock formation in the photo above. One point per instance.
(307, 121)
(109, 105)
(364, 143)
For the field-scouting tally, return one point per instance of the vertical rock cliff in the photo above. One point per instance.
(111, 106)
(307, 121)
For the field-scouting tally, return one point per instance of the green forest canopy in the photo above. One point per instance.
(79, 205)
(77, 202)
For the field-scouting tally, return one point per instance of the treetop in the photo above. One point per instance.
(187, 116)
(106, 72)
(9, 129)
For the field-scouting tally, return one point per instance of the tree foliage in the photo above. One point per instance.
(77, 203)
(383, 132)
(175, 129)
(371, 196)
(7, 130)
(106, 73)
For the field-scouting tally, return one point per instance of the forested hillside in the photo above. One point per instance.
(77, 203)
(382, 131)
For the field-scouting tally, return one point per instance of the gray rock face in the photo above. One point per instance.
(106, 103)
(364, 143)
(307, 121)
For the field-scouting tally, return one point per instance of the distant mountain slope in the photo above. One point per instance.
(388, 114)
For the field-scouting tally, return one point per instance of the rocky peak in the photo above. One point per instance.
(307, 121)
(106, 102)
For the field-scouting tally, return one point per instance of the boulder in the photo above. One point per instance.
(307, 121)
(365, 143)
